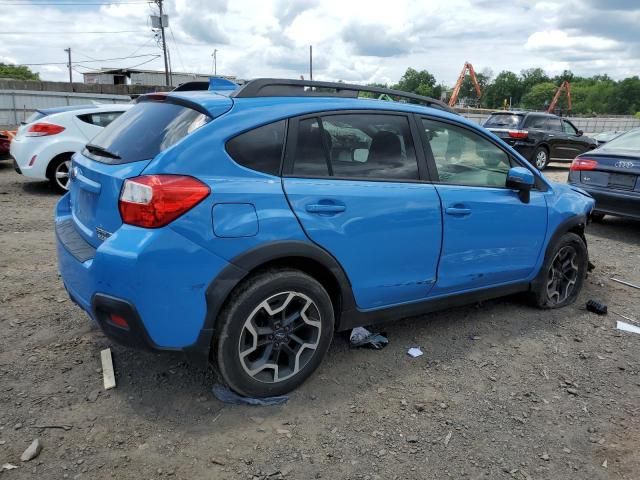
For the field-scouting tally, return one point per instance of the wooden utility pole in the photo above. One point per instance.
(68, 50)
(164, 43)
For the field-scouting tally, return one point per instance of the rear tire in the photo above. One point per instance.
(540, 158)
(274, 332)
(562, 275)
(58, 172)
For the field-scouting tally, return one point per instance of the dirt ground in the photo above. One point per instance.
(502, 390)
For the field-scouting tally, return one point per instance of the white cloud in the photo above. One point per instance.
(354, 40)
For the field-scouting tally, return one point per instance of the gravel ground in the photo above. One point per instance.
(502, 391)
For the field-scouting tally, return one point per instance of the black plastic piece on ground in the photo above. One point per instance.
(597, 307)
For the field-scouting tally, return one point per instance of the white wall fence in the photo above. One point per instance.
(17, 105)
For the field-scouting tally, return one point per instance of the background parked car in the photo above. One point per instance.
(604, 137)
(44, 144)
(611, 174)
(540, 137)
(4, 146)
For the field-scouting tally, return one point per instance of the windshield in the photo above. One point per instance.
(144, 131)
(504, 120)
(627, 143)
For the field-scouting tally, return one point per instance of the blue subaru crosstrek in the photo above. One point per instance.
(245, 225)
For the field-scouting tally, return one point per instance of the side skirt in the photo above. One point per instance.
(357, 318)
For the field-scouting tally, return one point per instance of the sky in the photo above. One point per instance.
(353, 40)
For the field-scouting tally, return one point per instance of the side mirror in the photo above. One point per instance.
(522, 180)
(580, 133)
(360, 155)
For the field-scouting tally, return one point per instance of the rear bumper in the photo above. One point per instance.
(155, 279)
(614, 202)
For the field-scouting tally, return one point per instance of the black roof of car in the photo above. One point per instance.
(520, 112)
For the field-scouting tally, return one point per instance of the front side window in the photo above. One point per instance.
(568, 128)
(363, 146)
(259, 149)
(465, 158)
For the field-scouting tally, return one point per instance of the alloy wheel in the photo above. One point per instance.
(280, 337)
(562, 275)
(541, 159)
(61, 174)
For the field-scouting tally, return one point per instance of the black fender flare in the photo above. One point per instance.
(565, 226)
(239, 267)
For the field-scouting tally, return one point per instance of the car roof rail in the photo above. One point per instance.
(279, 87)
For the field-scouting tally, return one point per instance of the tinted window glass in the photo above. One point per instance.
(554, 124)
(465, 158)
(259, 149)
(146, 130)
(503, 120)
(568, 128)
(537, 122)
(356, 146)
(627, 143)
(100, 119)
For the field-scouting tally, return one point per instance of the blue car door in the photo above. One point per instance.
(490, 237)
(353, 181)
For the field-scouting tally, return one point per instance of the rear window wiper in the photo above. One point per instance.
(103, 152)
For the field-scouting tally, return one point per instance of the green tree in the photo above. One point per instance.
(419, 82)
(506, 86)
(17, 72)
(626, 97)
(531, 77)
(540, 95)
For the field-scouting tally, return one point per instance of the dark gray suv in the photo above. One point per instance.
(540, 137)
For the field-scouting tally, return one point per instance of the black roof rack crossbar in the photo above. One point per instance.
(276, 87)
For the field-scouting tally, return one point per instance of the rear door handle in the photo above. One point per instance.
(457, 211)
(325, 208)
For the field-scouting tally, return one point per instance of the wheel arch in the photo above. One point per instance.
(63, 155)
(304, 256)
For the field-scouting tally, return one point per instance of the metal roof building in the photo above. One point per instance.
(133, 76)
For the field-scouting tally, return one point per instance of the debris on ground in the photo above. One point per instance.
(108, 376)
(597, 307)
(8, 466)
(362, 337)
(32, 451)
(224, 394)
(628, 284)
(415, 352)
(632, 320)
(447, 439)
(627, 327)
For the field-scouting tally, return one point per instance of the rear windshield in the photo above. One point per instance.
(627, 143)
(143, 132)
(503, 120)
(33, 117)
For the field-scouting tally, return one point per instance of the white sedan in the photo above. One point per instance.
(44, 144)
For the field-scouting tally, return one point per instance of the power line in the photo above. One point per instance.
(69, 33)
(90, 61)
(28, 4)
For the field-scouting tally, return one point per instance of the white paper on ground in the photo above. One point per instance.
(627, 327)
(415, 352)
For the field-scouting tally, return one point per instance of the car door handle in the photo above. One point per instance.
(325, 208)
(457, 211)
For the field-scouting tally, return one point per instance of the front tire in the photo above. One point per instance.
(274, 332)
(540, 158)
(563, 273)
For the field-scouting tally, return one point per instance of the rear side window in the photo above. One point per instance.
(537, 122)
(363, 146)
(144, 131)
(259, 149)
(101, 119)
(554, 124)
(503, 120)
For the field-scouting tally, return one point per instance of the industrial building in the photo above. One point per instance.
(133, 76)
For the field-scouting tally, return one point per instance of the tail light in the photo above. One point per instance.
(518, 134)
(153, 201)
(583, 164)
(43, 129)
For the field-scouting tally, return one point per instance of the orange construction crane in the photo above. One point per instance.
(566, 86)
(474, 79)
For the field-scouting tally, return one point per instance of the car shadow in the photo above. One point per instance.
(620, 229)
(40, 188)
